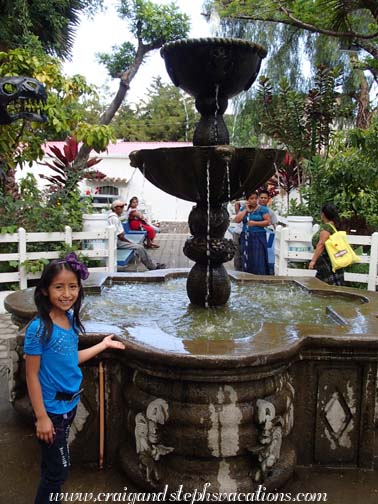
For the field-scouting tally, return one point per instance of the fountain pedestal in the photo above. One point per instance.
(192, 426)
(211, 173)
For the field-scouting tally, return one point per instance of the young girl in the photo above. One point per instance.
(137, 221)
(53, 374)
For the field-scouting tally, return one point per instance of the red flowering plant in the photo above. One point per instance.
(287, 177)
(63, 182)
(68, 173)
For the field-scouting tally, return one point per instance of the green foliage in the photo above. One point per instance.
(302, 123)
(317, 34)
(351, 21)
(49, 24)
(165, 115)
(296, 208)
(154, 24)
(97, 136)
(40, 212)
(119, 61)
(64, 115)
(348, 178)
(33, 265)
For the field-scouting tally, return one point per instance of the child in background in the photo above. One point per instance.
(137, 221)
(53, 374)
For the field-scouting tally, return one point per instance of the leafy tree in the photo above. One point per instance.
(165, 115)
(318, 28)
(349, 178)
(301, 123)
(354, 22)
(50, 23)
(61, 110)
(152, 26)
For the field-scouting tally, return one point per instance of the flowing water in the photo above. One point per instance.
(165, 307)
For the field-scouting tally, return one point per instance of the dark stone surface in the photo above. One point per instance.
(212, 70)
(184, 172)
(208, 286)
(323, 388)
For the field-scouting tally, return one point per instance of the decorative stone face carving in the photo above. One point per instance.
(147, 437)
(270, 437)
(273, 427)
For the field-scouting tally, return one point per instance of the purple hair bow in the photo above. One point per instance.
(76, 265)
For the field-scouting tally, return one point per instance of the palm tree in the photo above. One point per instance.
(53, 23)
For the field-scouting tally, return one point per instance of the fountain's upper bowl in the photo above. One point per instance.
(207, 66)
(216, 174)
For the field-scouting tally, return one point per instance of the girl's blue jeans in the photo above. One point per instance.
(55, 458)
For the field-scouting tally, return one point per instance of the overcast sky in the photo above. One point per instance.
(107, 30)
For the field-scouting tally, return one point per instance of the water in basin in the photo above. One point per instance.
(165, 306)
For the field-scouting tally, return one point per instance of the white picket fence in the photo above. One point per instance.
(93, 244)
(292, 245)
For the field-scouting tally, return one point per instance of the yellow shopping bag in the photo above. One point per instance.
(340, 252)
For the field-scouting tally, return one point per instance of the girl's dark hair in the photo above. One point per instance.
(42, 301)
(264, 191)
(330, 211)
(131, 200)
(252, 193)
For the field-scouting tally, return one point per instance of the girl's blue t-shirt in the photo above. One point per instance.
(257, 215)
(59, 368)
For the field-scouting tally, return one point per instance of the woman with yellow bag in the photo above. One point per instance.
(320, 260)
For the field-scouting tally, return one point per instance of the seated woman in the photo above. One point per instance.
(137, 222)
(253, 243)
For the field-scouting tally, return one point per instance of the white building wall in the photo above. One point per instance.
(159, 205)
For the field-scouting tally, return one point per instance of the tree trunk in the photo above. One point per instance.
(363, 104)
(110, 112)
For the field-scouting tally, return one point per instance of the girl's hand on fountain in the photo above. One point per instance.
(110, 343)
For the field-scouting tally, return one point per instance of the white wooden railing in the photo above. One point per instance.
(292, 245)
(92, 244)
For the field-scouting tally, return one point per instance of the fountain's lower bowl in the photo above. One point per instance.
(232, 414)
(214, 174)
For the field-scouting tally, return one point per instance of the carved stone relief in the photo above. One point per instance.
(273, 428)
(147, 438)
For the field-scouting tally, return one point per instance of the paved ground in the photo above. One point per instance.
(170, 253)
(19, 455)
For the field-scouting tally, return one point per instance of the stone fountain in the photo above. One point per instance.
(212, 172)
(224, 415)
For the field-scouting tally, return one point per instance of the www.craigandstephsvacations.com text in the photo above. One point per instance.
(260, 494)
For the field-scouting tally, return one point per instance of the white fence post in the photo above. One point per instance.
(373, 262)
(68, 235)
(22, 258)
(112, 249)
(283, 251)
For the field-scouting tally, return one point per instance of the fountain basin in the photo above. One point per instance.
(233, 413)
(184, 172)
(204, 66)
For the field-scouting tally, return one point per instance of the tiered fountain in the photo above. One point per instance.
(229, 413)
(212, 172)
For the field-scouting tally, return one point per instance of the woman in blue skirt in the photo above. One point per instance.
(253, 243)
